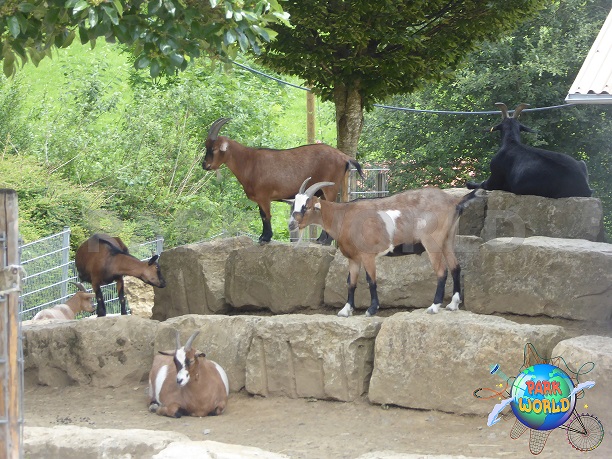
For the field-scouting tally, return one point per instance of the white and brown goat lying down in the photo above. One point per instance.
(80, 301)
(185, 382)
(421, 219)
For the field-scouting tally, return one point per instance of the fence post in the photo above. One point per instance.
(159, 245)
(10, 367)
(65, 260)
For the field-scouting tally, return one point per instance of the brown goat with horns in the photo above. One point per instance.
(268, 175)
(103, 259)
(423, 219)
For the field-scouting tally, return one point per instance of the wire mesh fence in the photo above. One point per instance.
(49, 271)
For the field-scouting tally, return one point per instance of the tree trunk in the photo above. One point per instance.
(349, 118)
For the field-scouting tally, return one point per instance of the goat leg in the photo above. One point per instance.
(374, 304)
(121, 292)
(456, 299)
(435, 307)
(101, 309)
(266, 234)
(324, 238)
(351, 280)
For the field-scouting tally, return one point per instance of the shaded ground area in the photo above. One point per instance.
(299, 428)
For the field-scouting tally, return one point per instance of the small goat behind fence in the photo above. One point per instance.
(49, 270)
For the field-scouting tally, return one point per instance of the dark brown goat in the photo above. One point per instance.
(268, 175)
(103, 259)
(367, 228)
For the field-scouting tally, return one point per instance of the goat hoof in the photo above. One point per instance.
(346, 311)
(153, 407)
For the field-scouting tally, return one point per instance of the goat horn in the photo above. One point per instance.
(503, 109)
(519, 109)
(303, 187)
(79, 286)
(190, 340)
(178, 340)
(213, 132)
(310, 192)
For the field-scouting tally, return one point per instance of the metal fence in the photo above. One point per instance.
(372, 185)
(49, 270)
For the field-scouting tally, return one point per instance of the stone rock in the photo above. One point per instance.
(323, 357)
(567, 278)
(436, 362)
(214, 450)
(281, 278)
(224, 339)
(195, 278)
(72, 442)
(394, 455)
(104, 352)
(577, 353)
(140, 297)
(510, 215)
(402, 282)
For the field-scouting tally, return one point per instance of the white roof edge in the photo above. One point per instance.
(588, 99)
(593, 84)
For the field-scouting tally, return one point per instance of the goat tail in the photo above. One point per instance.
(463, 203)
(357, 166)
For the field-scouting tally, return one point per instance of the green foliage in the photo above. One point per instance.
(137, 147)
(537, 65)
(46, 202)
(164, 34)
(385, 47)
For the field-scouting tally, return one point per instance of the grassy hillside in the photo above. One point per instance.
(94, 125)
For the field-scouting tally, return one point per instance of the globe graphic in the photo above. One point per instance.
(536, 412)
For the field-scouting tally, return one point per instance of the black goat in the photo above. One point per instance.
(523, 169)
(268, 175)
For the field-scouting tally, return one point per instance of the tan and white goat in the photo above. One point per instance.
(185, 382)
(422, 219)
(80, 301)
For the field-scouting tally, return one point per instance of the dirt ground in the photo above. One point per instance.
(299, 428)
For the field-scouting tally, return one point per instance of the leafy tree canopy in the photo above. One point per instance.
(536, 64)
(357, 53)
(163, 34)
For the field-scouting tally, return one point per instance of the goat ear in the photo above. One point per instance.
(289, 201)
(201, 354)
(153, 259)
(165, 353)
(224, 146)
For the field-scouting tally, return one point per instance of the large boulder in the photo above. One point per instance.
(436, 362)
(280, 278)
(72, 442)
(104, 352)
(140, 297)
(224, 339)
(402, 282)
(594, 353)
(567, 278)
(323, 357)
(214, 450)
(195, 278)
(511, 215)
